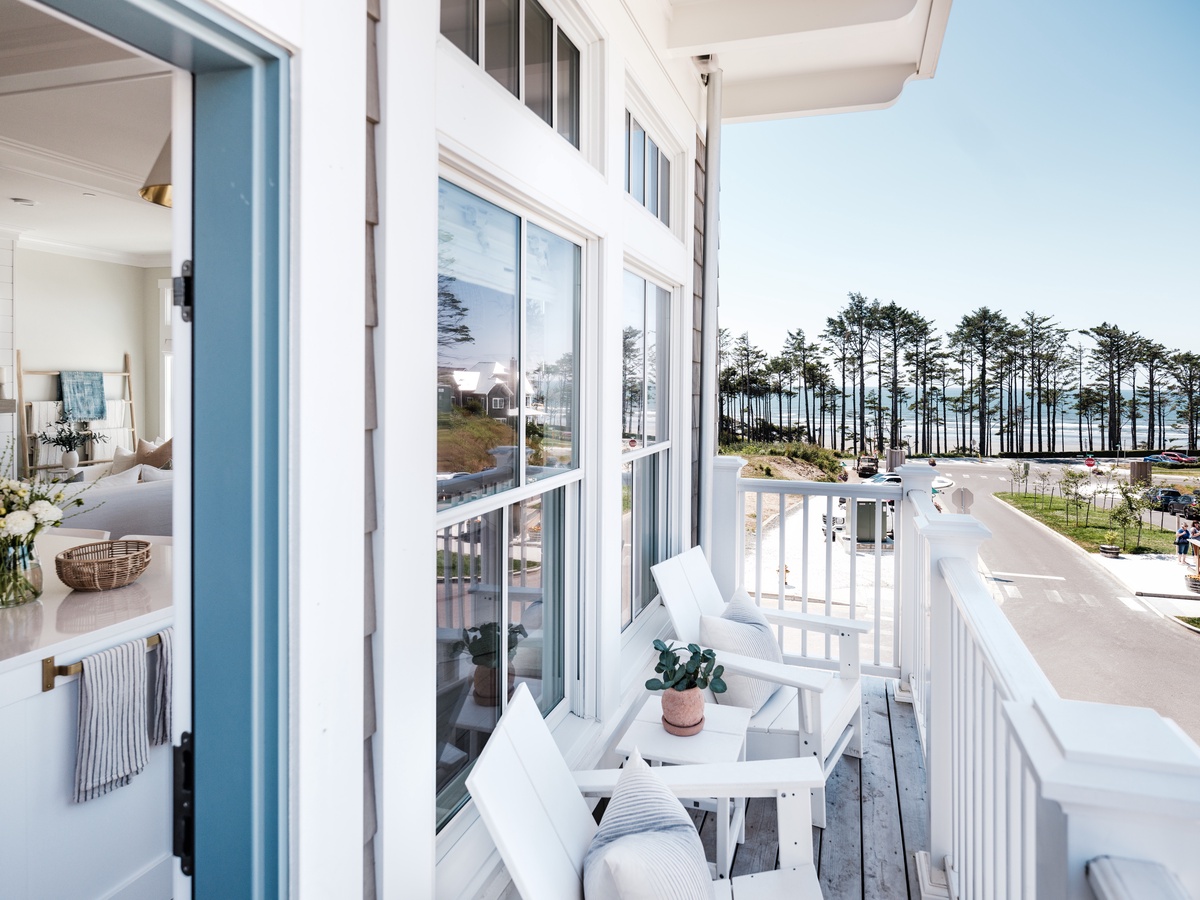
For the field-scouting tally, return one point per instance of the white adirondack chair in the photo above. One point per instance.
(816, 712)
(533, 806)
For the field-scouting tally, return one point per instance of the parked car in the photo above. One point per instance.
(1179, 457)
(867, 466)
(1184, 505)
(1157, 458)
(1160, 497)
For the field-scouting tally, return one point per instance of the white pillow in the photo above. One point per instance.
(646, 847)
(86, 474)
(149, 473)
(128, 476)
(123, 459)
(742, 629)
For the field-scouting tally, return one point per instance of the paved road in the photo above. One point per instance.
(1093, 639)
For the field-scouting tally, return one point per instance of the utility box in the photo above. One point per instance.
(1139, 472)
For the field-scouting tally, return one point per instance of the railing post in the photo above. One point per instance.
(948, 536)
(1116, 781)
(728, 524)
(917, 477)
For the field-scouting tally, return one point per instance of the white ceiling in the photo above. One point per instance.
(81, 122)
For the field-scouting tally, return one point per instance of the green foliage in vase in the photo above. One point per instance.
(483, 643)
(700, 670)
(69, 436)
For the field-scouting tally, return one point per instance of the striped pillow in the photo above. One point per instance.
(646, 847)
(742, 629)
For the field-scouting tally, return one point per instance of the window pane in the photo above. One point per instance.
(637, 161)
(643, 531)
(664, 189)
(478, 326)
(537, 592)
(654, 356)
(470, 570)
(633, 361)
(539, 61)
(460, 23)
(568, 92)
(652, 176)
(552, 289)
(628, 119)
(649, 528)
(502, 42)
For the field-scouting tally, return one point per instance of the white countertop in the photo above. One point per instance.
(71, 624)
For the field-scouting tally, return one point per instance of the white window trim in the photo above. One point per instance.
(672, 145)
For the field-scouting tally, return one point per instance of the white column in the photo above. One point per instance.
(949, 536)
(908, 614)
(727, 544)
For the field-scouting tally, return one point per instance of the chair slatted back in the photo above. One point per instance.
(528, 799)
(688, 590)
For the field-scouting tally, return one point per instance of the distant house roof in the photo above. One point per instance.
(482, 378)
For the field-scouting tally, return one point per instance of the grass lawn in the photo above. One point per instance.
(1189, 620)
(1093, 534)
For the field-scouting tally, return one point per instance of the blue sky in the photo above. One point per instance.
(1052, 164)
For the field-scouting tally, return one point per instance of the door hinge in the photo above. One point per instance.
(185, 289)
(184, 837)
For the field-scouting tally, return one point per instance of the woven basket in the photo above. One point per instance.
(103, 565)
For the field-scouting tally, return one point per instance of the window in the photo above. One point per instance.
(643, 420)
(647, 171)
(507, 397)
(542, 69)
(509, 293)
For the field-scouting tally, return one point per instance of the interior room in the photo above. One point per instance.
(85, 290)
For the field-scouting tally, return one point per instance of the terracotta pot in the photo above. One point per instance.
(683, 711)
(487, 691)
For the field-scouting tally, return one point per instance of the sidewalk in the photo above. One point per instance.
(1155, 575)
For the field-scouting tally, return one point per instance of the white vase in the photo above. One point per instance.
(70, 459)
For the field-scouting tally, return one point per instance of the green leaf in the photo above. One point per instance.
(718, 686)
(654, 684)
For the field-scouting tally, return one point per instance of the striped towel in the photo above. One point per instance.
(83, 395)
(113, 742)
(160, 724)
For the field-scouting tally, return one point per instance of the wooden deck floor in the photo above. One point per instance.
(877, 811)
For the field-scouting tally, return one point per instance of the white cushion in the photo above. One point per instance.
(149, 473)
(123, 459)
(742, 629)
(88, 474)
(128, 476)
(646, 847)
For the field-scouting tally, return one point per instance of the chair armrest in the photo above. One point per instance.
(813, 622)
(779, 673)
(757, 778)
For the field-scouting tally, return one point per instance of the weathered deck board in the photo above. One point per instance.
(883, 844)
(762, 853)
(911, 783)
(841, 868)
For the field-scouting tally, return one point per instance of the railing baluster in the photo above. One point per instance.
(829, 567)
(879, 536)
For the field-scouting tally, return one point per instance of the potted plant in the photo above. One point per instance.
(1110, 548)
(482, 642)
(682, 684)
(70, 438)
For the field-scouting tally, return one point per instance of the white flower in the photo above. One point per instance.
(19, 522)
(45, 511)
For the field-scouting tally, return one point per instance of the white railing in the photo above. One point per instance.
(792, 546)
(1025, 788)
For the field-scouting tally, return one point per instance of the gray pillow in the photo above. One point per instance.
(646, 847)
(742, 629)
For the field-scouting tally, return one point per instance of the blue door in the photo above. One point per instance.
(239, 422)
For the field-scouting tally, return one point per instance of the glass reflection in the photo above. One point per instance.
(502, 42)
(539, 61)
(478, 349)
(633, 361)
(536, 594)
(472, 662)
(552, 292)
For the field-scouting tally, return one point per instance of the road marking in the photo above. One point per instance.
(1089, 600)
(965, 475)
(1133, 604)
(1027, 575)
(1054, 596)
(1013, 591)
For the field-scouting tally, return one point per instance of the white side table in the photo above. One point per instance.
(722, 740)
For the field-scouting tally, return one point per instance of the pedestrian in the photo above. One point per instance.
(1182, 543)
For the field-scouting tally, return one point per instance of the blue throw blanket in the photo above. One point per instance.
(83, 396)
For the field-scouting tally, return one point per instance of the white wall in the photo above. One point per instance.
(72, 313)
